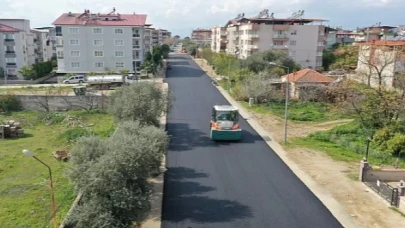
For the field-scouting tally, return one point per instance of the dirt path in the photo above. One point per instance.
(339, 178)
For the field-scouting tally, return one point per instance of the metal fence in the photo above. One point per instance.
(385, 190)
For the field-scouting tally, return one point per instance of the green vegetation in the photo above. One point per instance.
(155, 58)
(8, 103)
(300, 111)
(340, 57)
(112, 174)
(31, 89)
(25, 195)
(37, 70)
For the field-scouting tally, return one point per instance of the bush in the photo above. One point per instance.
(73, 134)
(9, 103)
(143, 102)
(112, 174)
(51, 118)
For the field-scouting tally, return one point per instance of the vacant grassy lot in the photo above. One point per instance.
(347, 143)
(300, 111)
(24, 182)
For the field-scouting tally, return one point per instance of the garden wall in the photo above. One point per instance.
(62, 103)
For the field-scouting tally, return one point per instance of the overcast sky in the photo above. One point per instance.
(181, 16)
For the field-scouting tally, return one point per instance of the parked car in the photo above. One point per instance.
(74, 79)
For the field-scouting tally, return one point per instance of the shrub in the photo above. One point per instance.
(9, 103)
(73, 134)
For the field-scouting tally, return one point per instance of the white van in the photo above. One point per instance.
(74, 79)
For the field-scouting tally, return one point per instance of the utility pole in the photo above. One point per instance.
(229, 74)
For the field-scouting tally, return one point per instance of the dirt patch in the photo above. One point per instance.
(339, 178)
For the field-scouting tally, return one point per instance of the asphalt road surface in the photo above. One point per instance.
(240, 184)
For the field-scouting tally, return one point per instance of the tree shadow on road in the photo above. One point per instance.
(182, 200)
(183, 138)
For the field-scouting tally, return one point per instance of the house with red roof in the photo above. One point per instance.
(95, 42)
(305, 77)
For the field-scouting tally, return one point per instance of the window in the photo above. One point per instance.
(97, 30)
(119, 54)
(99, 65)
(293, 42)
(11, 60)
(75, 64)
(59, 53)
(320, 44)
(75, 53)
(119, 31)
(278, 43)
(74, 42)
(294, 32)
(319, 53)
(321, 33)
(319, 63)
(292, 53)
(98, 42)
(74, 30)
(119, 65)
(98, 53)
(119, 42)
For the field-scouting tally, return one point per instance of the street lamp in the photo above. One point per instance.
(286, 99)
(29, 154)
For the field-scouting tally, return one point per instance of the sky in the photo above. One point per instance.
(181, 16)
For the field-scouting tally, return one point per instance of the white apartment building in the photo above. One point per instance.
(302, 39)
(94, 42)
(17, 46)
(43, 45)
(218, 42)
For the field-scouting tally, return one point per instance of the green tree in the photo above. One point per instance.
(328, 58)
(124, 71)
(27, 72)
(148, 56)
(146, 105)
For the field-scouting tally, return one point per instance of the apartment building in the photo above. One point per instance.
(303, 39)
(95, 42)
(18, 43)
(163, 35)
(218, 41)
(43, 45)
(202, 36)
(381, 57)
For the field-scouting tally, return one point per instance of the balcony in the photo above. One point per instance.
(280, 47)
(252, 47)
(58, 34)
(136, 35)
(253, 36)
(11, 65)
(147, 37)
(136, 46)
(59, 45)
(134, 57)
(9, 42)
(253, 27)
(280, 36)
(10, 54)
(60, 57)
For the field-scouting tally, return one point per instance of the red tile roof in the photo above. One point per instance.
(308, 75)
(126, 20)
(5, 28)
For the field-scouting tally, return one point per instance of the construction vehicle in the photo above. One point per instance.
(225, 123)
(108, 81)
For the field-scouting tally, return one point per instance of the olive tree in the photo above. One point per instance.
(144, 102)
(261, 87)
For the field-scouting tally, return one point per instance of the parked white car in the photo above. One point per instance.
(74, 79)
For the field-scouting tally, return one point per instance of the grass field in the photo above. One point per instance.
(33, 90)
(24, 182)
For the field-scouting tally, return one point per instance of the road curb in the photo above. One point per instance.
(322, 194)
(154, 219)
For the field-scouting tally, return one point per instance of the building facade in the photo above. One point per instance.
(302, 39)
(94, 42)
(18, 46)
(380, 61)
(219, 39)
(43, 45)
(202, 36)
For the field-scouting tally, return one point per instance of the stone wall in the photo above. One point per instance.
(62, 103)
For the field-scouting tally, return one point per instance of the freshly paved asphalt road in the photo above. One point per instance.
(241, 184)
